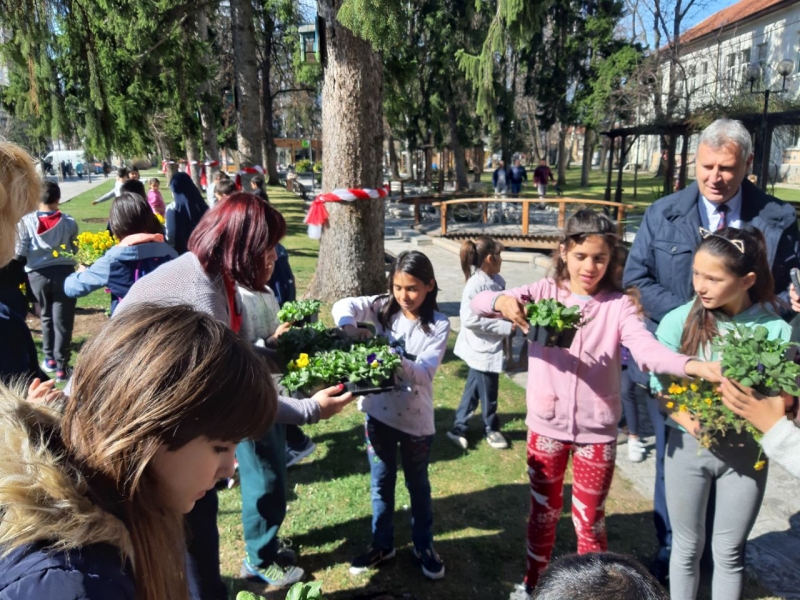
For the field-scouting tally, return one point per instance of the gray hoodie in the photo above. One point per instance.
(39, 248)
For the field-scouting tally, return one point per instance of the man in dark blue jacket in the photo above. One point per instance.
(660, 262)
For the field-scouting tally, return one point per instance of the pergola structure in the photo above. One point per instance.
(752, 121)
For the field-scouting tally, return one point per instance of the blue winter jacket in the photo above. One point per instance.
(46, 504)
(518, 174)
(118, 269)
(94, 572)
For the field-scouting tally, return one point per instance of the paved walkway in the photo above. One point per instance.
(774, 544)
(74, 187)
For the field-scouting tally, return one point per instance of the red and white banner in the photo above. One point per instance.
(257, 170)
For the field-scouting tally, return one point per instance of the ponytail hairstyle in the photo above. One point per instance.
(417, 265)
(580, 226)
(473, 254)
(742, 251)
(120, 413)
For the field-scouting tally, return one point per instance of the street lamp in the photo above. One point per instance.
(753, 74)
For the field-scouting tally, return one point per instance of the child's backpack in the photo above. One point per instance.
(124, 273)
(282, 281)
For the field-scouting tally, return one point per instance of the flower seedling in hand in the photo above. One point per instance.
(296, 311)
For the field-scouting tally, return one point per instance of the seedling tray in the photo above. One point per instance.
(363, 388)
(550, 338)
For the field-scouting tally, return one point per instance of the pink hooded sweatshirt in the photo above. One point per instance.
(574, 394)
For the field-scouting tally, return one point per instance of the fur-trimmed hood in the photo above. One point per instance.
(42, 499)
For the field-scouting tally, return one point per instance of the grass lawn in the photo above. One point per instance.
(480, 497)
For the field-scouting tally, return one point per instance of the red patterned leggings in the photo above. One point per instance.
(592, 470)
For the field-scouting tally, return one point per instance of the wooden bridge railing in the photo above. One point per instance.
(526, 204)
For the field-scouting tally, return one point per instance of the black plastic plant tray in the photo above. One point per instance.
(550, 338)
(362, 388)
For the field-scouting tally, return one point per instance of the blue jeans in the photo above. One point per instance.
(659, 421)
(415, 453)
(481, 389)
(516, 188)
(631, 392)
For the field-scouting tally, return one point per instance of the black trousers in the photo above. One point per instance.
(58, 311)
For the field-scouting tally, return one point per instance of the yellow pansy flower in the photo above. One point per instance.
(302, 361)
(55, 253)
(374, 364)
(760, 465)
(670, 404)
(693, 387)
(682, 408)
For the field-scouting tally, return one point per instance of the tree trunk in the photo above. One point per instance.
(248, 112)
(192, 154)
(459, 158)
(393, 164)
(480, 159)
(208, 122)
(603, 153)
(351, 254)
(562, 155)
(588, 147)
(269, 151)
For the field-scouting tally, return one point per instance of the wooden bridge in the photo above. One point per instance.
(520, 235)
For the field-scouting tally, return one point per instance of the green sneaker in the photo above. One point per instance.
(273, 574)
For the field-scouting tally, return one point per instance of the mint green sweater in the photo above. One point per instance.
(670, 330)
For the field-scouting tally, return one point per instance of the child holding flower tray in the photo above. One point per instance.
(734, 287)
(402, 418)
(573, 395)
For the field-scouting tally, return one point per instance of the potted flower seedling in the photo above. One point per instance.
(300, 312)
(750, 358)
(552, 324)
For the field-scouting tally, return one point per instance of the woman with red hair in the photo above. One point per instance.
(234, 244)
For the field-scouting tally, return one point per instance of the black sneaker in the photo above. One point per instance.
(63, 374)
(370, 559)
(659, 567)
(285, 557)
(432, 565)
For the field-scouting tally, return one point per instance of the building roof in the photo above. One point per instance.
(742, 10)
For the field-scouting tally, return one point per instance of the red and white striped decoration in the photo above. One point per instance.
(318, 215)
(246, 171)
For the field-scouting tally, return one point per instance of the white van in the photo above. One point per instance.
(56, 156)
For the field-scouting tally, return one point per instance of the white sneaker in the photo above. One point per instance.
(458, 440)
(496, 440)
(636, 450)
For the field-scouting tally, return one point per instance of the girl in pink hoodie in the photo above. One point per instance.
(573, 393)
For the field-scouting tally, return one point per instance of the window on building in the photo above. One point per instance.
(761, 53)
(744, 63)
(692, 78)
(730, 72)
